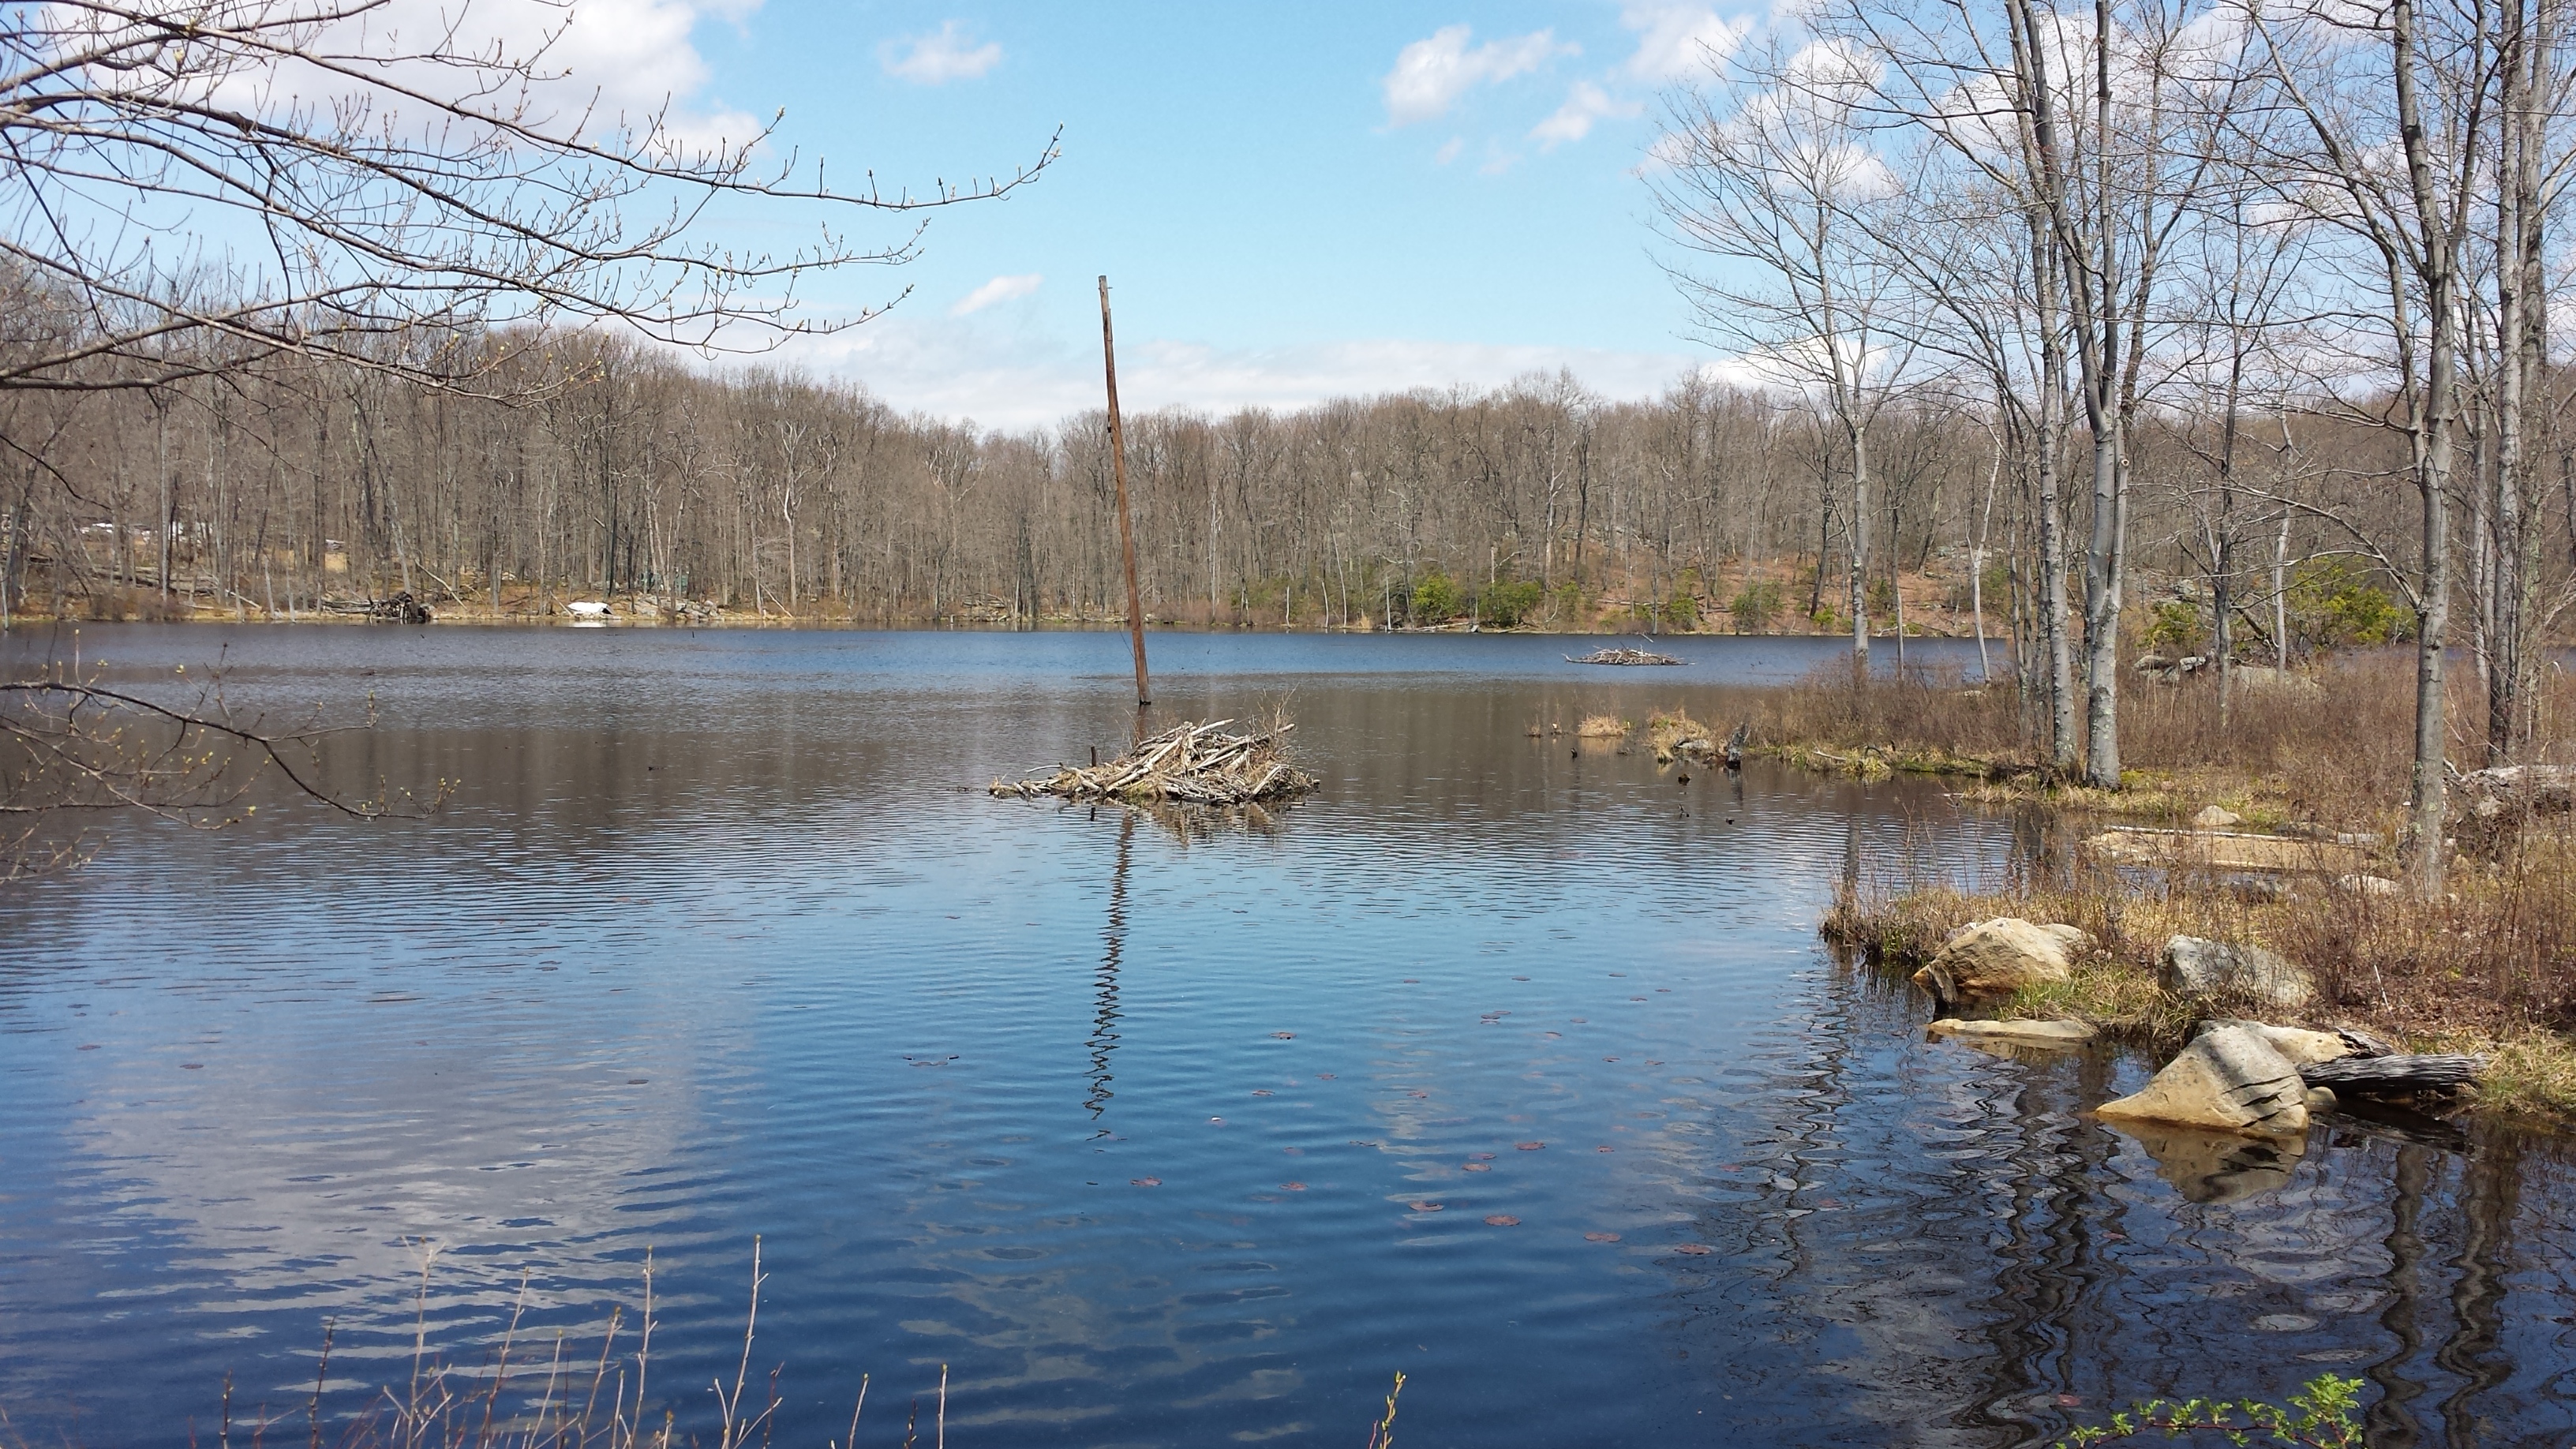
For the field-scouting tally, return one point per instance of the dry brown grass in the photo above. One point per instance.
(2489, 968)
(2331, 747)
(1603, 727)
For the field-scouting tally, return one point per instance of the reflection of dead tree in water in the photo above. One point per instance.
(1104, 1035)
(72, 748)
(2490, 1197)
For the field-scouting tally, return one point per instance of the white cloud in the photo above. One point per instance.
(1585, 104)
(1002, 376)
(1431, 74)
(1449, 152)
(1675, 39)
(946, 54)
(1000, 289)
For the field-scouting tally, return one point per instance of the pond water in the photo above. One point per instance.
(1132, 1123)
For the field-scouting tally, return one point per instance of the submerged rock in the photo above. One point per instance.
(2018, 1033)
(1994, 958)
(2230, 1079)
(2196, 968)
(2217, 1167)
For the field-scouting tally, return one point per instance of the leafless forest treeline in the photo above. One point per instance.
(2221, 327)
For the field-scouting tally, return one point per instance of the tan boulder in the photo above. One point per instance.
(1997, 957)
(2297, 1045)
(2230, 1079)
(2216, 817)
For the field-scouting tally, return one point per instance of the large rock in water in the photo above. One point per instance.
(2230, 1079)
(2196, 968)
(2297, 1046)
(1994, 958)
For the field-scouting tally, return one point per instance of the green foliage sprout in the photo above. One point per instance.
(1437, 599)
(2325, 1415)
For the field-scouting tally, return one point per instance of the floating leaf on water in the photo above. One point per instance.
(2070, 1401)
(1636, 998)
(1480, 1157)
(1520, 978)
(1696, 1250)
(1475, 1167)
(1412, 981)
(89, 1046)
(1600, 1237)
(1618, 975)
(1605, 1147)
(1323, 1076)
(1285, 1035)
(1650, 1061)
(1665, 989)
(1580, 1020)
(1417, 1094)
(1294, 1151)
(1144, 1182)
(1502, 1220)
(1292, 1187)
(1555, 1035)
(192, 1066)
(1609, 1059)
(1261, 1092)
(1219, 1121)
(1529, 1146)
(1424, 1207)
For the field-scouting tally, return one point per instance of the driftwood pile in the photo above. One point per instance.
(1193, 763)
(1622, 655)
(402, 608)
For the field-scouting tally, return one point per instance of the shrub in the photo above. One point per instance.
(2334, 605)
(1437, 600)
(1505, 605)
(2175, 625)
(1755, 606)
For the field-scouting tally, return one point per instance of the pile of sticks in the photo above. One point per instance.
(402, 608)
(1622, 655)
(1194, 763)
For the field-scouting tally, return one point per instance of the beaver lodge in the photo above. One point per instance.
(1622, 655)
(1197, 764)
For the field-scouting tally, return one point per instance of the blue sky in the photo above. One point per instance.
(1290, 202)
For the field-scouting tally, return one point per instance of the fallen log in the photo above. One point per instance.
(1194, 764)
(2395, 1075)
(1622, 655)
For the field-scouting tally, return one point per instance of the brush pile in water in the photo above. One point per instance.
(1622, 656)
(1188, 762)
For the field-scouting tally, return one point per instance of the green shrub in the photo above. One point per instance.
(2175, 626)
(2334, 605)
(1755, 606)
(1437, 600)
(1506, 605)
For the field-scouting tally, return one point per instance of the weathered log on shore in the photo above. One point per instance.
(2394, 1075)
(1190, 763)
(402, 608)
(1622, 655)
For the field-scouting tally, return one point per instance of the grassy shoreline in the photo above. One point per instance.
(2488, 968)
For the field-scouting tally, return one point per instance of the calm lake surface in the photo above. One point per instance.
(1125, 1122)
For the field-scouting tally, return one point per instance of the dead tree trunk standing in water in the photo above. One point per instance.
(1126, 520)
